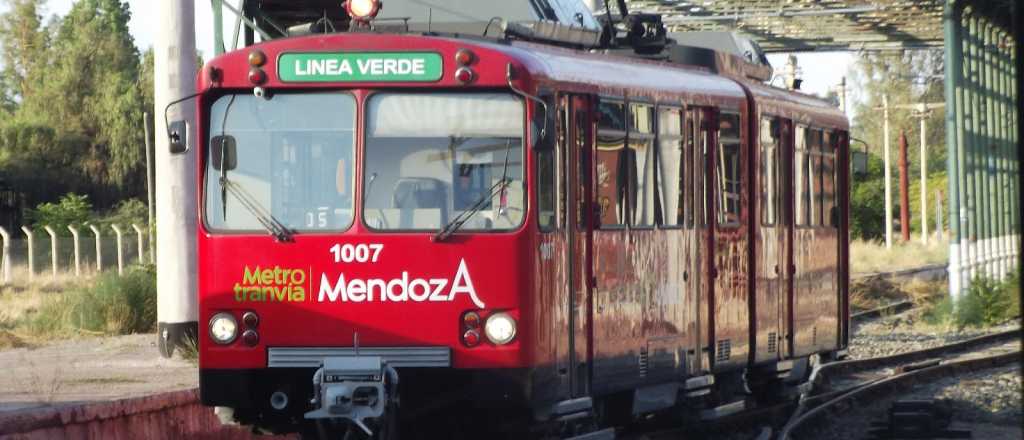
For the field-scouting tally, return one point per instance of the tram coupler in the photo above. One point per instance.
(353, 388)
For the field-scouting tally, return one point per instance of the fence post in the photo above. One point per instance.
(6, 262)
(138, 232)
(53, 250)
(78, 261)
(120, 253)
(99, 248)
(31, 251)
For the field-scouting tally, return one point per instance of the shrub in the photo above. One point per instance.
(113, 305)
(127, 212)
(71, 209)
(986, 302)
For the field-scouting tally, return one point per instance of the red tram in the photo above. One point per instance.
(506, 225)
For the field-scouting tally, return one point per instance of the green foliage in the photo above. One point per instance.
(73, 209)
(113, 305)
(986, 302)
(127, 212)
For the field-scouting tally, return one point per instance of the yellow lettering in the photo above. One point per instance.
(251, 277)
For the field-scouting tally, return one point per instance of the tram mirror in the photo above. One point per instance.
(177, 133)
(224, 153)
(860, 162)
(542, 127)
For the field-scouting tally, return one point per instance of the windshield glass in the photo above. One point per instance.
(432, 157)
(294, 159)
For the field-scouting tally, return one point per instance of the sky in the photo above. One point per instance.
(822, 72)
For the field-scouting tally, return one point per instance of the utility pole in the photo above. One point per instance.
(922, 110)
(888, 175)
(150, 198)
(174, 79)
(904, 189)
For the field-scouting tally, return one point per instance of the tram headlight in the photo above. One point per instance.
(223, 328)
(362, 10)
(500, 328)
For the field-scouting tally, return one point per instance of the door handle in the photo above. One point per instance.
(776, 269)
(686, 276)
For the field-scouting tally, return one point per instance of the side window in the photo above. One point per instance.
(814, 173)
(828, 178)
(612, 173)
(671, 179)
(769, 141)
(641, 145)
(728, 169)
(547, 188)
(801, 179)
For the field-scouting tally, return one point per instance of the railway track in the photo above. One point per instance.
(849, 384)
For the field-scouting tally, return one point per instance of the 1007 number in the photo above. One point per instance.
(356, 253)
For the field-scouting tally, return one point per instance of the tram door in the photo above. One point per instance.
(773, 240)
(696, 276)
(578, 170)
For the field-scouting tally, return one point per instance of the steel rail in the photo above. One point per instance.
(891, 385)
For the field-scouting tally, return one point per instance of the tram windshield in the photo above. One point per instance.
(292, 162)
(431, 158)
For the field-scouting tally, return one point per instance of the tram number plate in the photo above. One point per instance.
(360, 67)
(356, 253)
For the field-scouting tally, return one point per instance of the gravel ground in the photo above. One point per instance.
(905, 332)
(89, 370)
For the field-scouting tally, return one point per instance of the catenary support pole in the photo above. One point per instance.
(174, 79)
(888, 175)
(924, 173)
(78, 250)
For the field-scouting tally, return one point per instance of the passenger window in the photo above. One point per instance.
(828, 178)
(769, 136)
(547, 188)
(641, 144)
(801, 179)
(671, 179)
(611, 162)
(728, 169)
(814, 173)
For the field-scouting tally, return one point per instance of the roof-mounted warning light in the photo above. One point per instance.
(362, 10)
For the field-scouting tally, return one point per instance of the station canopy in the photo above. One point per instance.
(816, 25)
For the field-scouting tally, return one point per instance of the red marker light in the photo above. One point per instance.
(362, 10)
(464, 75)
(257, 76)
(471, 338)
(464, 57)
(250, 338)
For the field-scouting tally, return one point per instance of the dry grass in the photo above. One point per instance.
(872, 256)
(21, 300)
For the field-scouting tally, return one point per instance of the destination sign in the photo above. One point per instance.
(360, 67)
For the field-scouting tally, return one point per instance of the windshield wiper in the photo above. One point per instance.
(280, 232)
(464, 216)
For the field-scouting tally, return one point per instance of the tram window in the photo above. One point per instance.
(814, 173)
(547, 168)
(801, 179)
(298, 167)
(611, 162)
(671, 180)
(828, 192)
(728, 169)
(769, 135)
(433, 157)
(641, 142)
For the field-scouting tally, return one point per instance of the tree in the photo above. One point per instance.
(24, 45)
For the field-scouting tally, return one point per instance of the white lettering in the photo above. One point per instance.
(418, 67)
(401, 289)
(299, 70)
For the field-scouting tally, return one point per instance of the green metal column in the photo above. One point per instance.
(218, 26)
(952, 24)
(971, 117)
(988, 149)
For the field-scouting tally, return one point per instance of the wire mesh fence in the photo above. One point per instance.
(94, 254)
